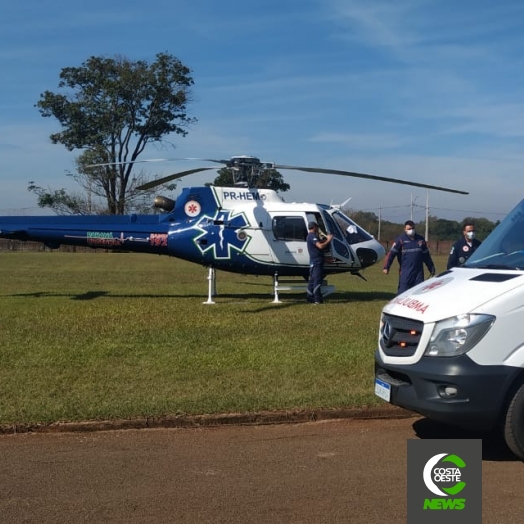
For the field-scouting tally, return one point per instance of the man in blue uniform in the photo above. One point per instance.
(315, 248)
(412, 253)
(463, 248)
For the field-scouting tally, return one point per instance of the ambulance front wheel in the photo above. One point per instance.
(514, 424)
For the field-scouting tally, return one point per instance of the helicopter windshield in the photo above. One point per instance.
(353, 233)
(504, 247)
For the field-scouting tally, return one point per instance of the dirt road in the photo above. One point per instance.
(320, 472)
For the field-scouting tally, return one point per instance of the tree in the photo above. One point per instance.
(264, 179)
(95, 183)
(61, 202)
(442, 229)
(112, 109)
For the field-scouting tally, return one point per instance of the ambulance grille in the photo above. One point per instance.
(399, 337)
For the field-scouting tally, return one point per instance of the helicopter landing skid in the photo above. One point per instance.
(212, 285)
(296, 285)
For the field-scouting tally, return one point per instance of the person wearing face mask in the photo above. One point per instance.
(464, 247)
(411, 251)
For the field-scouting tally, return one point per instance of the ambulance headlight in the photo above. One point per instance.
(457, 335)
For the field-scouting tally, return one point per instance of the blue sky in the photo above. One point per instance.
(425, 90)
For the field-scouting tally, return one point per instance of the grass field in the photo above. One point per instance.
(105, 336)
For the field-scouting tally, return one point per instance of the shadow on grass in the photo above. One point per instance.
(493, 446)
(337, 296)
(364, 296)
(285, 299)
(89, 295)
(92, 295)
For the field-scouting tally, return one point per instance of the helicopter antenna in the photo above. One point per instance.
(340, 206)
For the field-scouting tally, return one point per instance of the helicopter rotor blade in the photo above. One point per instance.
(370, 177)
(233, 160)
(158, 160)
(164, 180)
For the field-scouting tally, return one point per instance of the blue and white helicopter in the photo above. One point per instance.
(237, 229)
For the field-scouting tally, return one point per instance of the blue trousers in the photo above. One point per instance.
(409, 279)
(314, 285)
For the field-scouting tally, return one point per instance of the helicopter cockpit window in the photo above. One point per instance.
(289, 228)
(353, 232)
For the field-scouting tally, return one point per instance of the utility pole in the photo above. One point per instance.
(413, 200)
(427, 215)
(379, 219)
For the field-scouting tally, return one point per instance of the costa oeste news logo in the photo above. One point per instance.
(445, 481)
(438, 479)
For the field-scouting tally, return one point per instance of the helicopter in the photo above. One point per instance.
(239, 229)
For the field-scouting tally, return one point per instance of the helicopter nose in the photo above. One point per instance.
(370, 253)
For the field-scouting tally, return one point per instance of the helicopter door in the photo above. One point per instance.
(289, 239)
(367, 250)
(339, 248)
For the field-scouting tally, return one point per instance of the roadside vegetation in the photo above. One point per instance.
(97, 336)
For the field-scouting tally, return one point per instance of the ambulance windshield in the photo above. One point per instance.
(504, 247)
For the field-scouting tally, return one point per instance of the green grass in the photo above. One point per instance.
(104, 336)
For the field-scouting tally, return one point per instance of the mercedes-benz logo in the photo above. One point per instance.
(387, 333)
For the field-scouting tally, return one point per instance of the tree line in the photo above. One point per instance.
(439, 228)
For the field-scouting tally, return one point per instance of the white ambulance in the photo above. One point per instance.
(452, 348)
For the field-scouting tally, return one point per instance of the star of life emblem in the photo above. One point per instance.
(192, 208)
(432, 284)
(223, 234)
